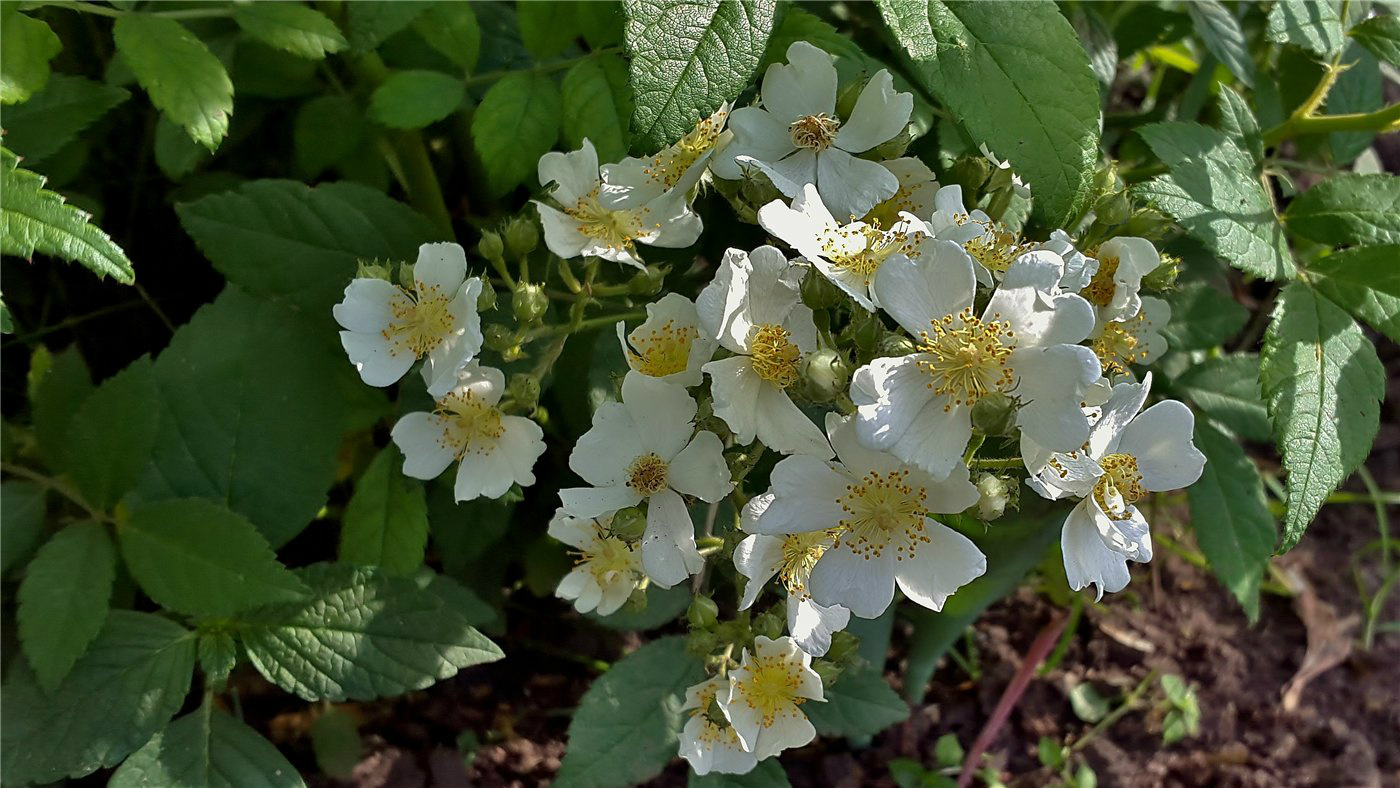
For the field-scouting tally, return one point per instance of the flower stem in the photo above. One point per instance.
(1380, 121)
(58, 486)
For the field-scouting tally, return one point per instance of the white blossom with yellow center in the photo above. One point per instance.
(766, 693)
(708, 742)
(597, 219)
(678, 166)
(387, 328)
(753, 308)
(1122, 263)
(915, 195)
(876, 511)
(1024, 346)
(1119, 344)
(993, 248)
(670, 345)
(1130, 452)
(645, 448)
(606, 569)
(493, 450)
(796, 137)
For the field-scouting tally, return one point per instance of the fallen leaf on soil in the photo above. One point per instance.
(1329, 637)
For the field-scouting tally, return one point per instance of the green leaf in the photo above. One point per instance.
(22, 520)
(414, 99)
(327, 131)
(688, 58)
(768, 774)
(1323, 384)
(369, 22)
(548, 27)
(386, 521)
(1212, 191)
(132, 680)
(1357, 90)
(26, 47)
(183, 78)
(1016, 77)
(63, 599)
(628, 724)
(176, 154)
(516, 123)
(56, 395)
(1231, 517)
(663, 606)
(288, 240)
(362, 635)
(291, 27)
(1311, 24)
(336, 742)
(452, 30)
(860, 703)
(199, 558)
(110, 436)
(35, 219)
(218, 654)
(207, 749)
(53, 117)
(1366, 282)
(1349, 209)
(1087, 703)
(1203, 317)
(1240, 125)
(1381, 35)
(597, 105)
(1226, 388)
(251, 413)
(1220, 31)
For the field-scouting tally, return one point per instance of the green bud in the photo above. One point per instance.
(1106, 179)
(524, 390)
(770, 623)
(733, 631)
(894, 147)
(1146, 223)
(529, 303)
(826, 372)
(755, 191)
(996, 494)
(522, 236)
(846, 100)
(1113, 208)
(490, 246)
(486, 301)
(844, 646)
(896, 345)
(865, 329)
(1163, 277)
(970, 171)
(700, 642)
(818, 292)
(497, 337)
(994, 414)
(703, 613)
(373, 269)
(628, 524)
(828, 671)
(406, 280)
(648, 282)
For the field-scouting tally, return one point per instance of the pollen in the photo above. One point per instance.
(420, 324)
(801, 551)
(965, 358)
(470, 424)
(1102, 287)
(648, 474)
(861, 247)
(1120, 486)
(996, 248)
(773, 355)
(883, 511)
(1118, 345)
(613, 229)
(668, 166)
(814, 132)
(665, 350)
(770, 688)
(608, 558)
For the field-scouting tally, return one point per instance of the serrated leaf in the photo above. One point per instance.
(548, 27)
(1016, 77)
(1240, 125)
(1212, 191)
(1312, 24)
(327, 131)
(287, 240)
(130, 682)
(386, 521)
(35, 219)
(218, 654)
(1357, 90)
(688, 58)
(516, 123)
(369, 22)
(597, 105)
(183, 78)
(628, 724)
(1097, 40)
(55, 396)
(63, 599)
(1365, 282)
(176, 154)
(1226, 388)
(414, 99)
(768, 774)
(663, 606)
(26, 47)
(1349, 209)
(251, 413)
(1381, 35)
(53, 117)
(291, 27)
(1322, 384)
(22, 519)
(110, 436)
(362, 635)
(1220, 31)
(452, 30)
(207, 749)
(199, 558)
(1231, 518)
(1203, 317)
(860, 703)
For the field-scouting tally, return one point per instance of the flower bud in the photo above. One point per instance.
(994, 414)
(770, 623)
(702, 613)
(373, 269)
(844, 647)
(406, 280)
(826, 373)
(648, 282)
(818, 292)
(522, 236)
(828, 671)
(628, 524)
(1113, 208)
(486, 301)
(490, 246)
(865, 329)
(1146, 223)
(700, 642)
(524, 390)
(996, 494)
(529, 303)
(755, 191)
(497, 337)
(895, 147)
(896, 345)
(1163, 277)
(970, 171)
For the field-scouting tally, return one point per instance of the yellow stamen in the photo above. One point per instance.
(419, 324)
(883, 509)
(472, 426)
(664, 351)
(773, 355)
(814, 132)
(771, 687)
(1102, 287)
(800, 553)
(670, 164)
(966, 359)
(1120, 481)
(862, 247)
(613, 229)
(648, 474)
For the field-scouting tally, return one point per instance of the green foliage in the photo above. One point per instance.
(516, 123)
(207, 749)
(369, 22)
(1322, 383)
(327, 131)
(689, 58)
(22, 509)
(110, 436)
(1088, 704)
(386, 521)
(1231, 518)
(414, 99)
(1365, 282)
(1220, 31)
(1203, 317)
(1313, 25)
(183, 78)
(35, 219)
(54, 116)
(336, 741)
(626, 727)
(1348, 210)
(1240, 125)
(548, 27)
(452, 30)
(1381, 35)
(218, 654)
(768, 774)
(56, 393)
(1226, 388)
(662, 606)
(1357, 90)
(1184, 717)
(597, 105)
(291, 27)
(26, 47)
(64, 598)
(860, 703)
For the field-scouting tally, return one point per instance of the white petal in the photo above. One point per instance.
(700, 470)
(897, 412)
(812, 625)
(378, 362)
(946, 563)
(1123, 405)
(735, 388)
(721, 304)
(663, 412)
(522, 443)
(754, 509)
(787, 731)
(368, 305)
(572, 531)
(1160, 439)
(806, 85)
(449, 358)
(858, 459)
(757, 558)
(805, 491)
(757, 134)
(880, 113)
(1087, 559)
(860, 583)
(576, 173)
(850, 186)
(783, 426)
(669, 555)
(441, 268)
(915, 293)
(1051, 382)
(422, 439)
(677, 225)
(561, 233)
(597, 501)
(950, 495)
(604, 453)
(790, 173)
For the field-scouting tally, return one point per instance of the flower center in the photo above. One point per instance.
(670, 164)
(800, 554)
(881, 509)
(471, 426)
(1120, 486)
(773, 355)
(609, 558)
(814, 132)
(995, 249)
(664, 351)
(648, 474)
(613, 229)
(965, 358)
(1102, 287)
(1117, 346)
(861, 247)
(771, 687)
(421, 324)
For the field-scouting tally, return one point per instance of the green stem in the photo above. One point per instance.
(58, 486)
(1129, 703)
(1382, 120)
(997, 462)
(421, 182)
(544, 68)
(113, 13)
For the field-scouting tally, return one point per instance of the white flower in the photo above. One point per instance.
(992, 247)
(607, 569)
(1134, 340)
(387, 328)
(1123, 262)
(796, 138)
(765, 696)
(918, 407)
(670, 345)
(754, 309)
(1079, 267)
(917, 187)
(878, 508)
(608, 221)
(791, 557)
(642, 448)
(709, 744)
(677, 167)
(995, 493)
(848, 254)
(1128, 455)
(494, 450)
